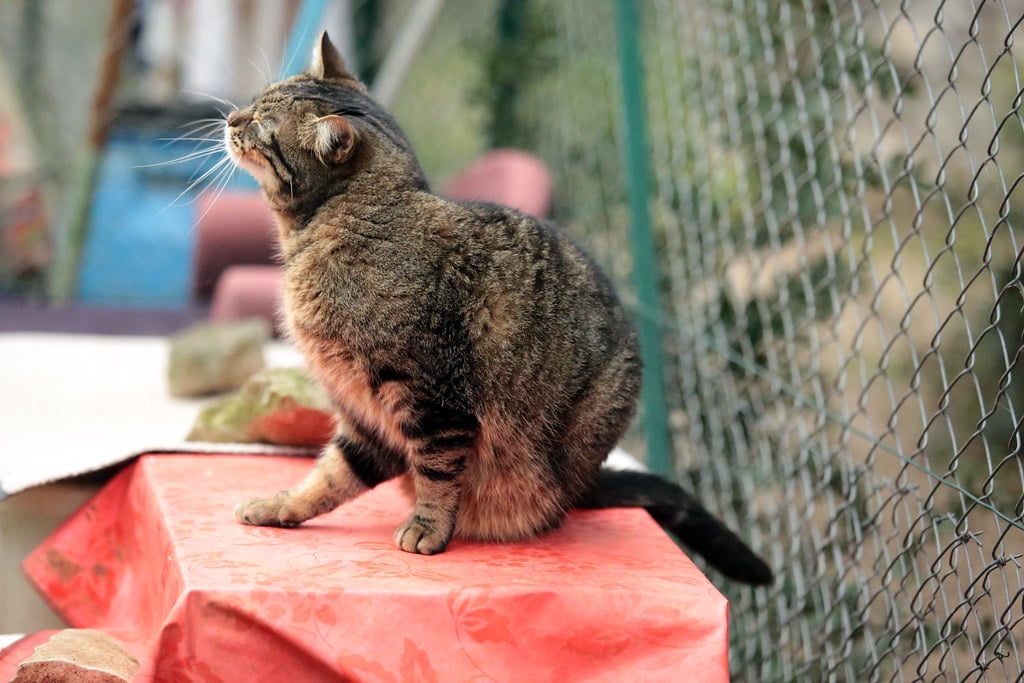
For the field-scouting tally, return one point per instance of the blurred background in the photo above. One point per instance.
(811, 206)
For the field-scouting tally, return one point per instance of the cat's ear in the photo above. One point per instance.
(327, 62)
(334, 140)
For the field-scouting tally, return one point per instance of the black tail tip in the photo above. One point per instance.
(754, 571)
(738, 562)
(722, 549)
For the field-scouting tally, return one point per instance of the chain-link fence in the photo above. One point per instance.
(830, 191)
(831, 195)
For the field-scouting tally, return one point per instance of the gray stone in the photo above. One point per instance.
(78, 656)
(211, 358)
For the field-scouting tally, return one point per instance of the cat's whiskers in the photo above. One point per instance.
(215, 139)
(204, 123)
(222, 165)
(201, 132)
(206, 147)
(217, 170)
(266, 77)
(219, 100)
(205, 135)
(220, 182)
(266, 61)
(191, 156)
(208, 130)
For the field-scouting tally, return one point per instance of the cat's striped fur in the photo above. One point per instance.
(470, 348)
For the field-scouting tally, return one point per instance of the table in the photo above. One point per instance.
(157, 560)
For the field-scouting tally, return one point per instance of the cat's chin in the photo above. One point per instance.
(253, 164)
(276, 198)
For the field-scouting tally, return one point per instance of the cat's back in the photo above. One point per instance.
(540, 312)
(508, 296)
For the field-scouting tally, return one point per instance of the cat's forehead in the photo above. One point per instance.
(298, 91)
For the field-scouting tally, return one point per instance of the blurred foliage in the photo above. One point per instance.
(520, 53)
(49, 55)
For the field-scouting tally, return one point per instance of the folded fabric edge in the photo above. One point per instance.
(12, 484)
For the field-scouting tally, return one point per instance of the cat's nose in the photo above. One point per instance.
(239, 117)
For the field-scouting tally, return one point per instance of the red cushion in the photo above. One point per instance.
(233, 228)
(247, 292)
(505, 176)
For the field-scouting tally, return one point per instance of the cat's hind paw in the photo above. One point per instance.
(276, 511)
(423, 536)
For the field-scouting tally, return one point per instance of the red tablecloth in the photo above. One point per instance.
(157, 560)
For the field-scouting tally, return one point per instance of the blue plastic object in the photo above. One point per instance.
(141, 239)
(141, 235)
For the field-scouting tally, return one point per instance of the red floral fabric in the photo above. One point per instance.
(157, 560)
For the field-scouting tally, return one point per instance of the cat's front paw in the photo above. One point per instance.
(276, 511)
(423, 536)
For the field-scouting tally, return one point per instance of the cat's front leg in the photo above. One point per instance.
(349, 465)
(442, 441)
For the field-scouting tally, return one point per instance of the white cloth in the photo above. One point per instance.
(73, 404)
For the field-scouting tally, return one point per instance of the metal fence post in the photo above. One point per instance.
(645, 264)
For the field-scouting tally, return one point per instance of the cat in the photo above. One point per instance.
(471, 349)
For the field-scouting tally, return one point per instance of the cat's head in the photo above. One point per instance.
(303, 139)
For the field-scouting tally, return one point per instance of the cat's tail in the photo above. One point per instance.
(682, 515)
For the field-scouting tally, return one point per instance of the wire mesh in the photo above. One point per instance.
(836, 206)
(836, 209)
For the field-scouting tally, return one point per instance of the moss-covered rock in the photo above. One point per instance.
(278, 406)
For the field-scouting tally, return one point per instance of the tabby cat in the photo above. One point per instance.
(467, 347)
